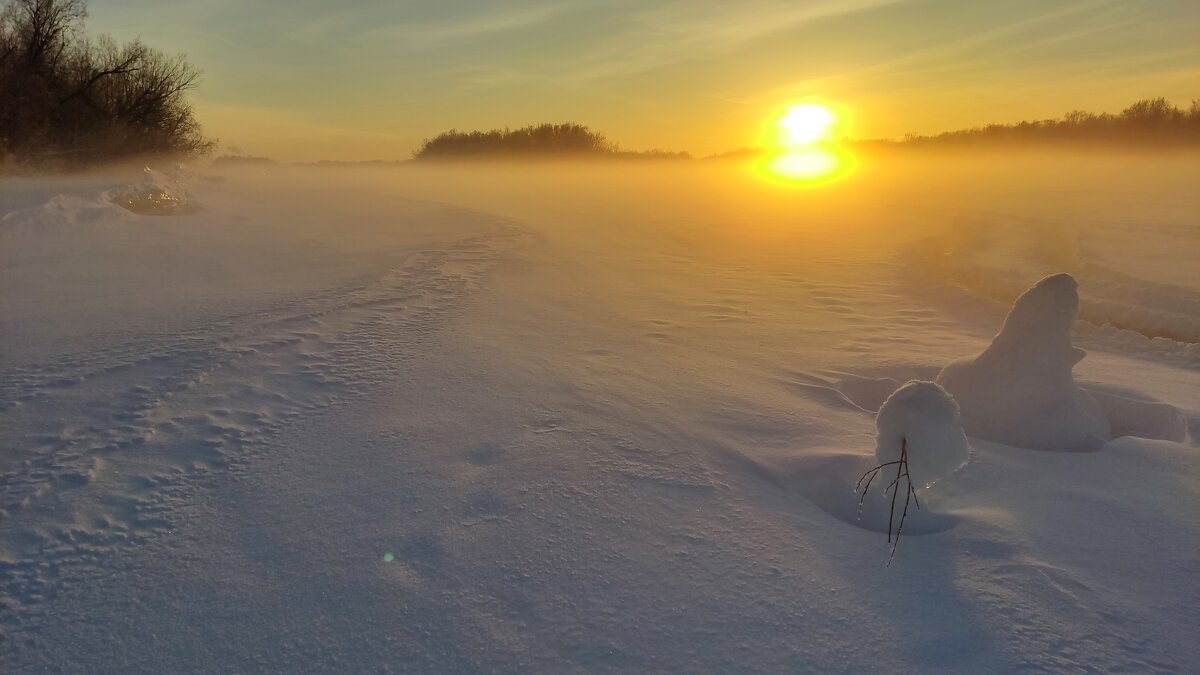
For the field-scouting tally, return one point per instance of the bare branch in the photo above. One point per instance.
(910, 494)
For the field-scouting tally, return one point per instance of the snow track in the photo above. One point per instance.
(99, 446)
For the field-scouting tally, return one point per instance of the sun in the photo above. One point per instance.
(801, 146)
(806, 123)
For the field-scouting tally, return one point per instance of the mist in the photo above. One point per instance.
(985, 224)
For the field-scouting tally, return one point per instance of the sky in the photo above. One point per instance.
(303, 80)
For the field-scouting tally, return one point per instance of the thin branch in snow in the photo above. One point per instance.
(910, 494)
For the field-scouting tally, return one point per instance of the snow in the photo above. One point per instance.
(572, 419)
(158, 195)
(924, 420)
(1020, 391)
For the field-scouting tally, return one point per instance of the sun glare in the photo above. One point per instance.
(805, 163)
(803, 148)
(806, 123)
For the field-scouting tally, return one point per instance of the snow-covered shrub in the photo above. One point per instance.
(919, 440)
(923, 418)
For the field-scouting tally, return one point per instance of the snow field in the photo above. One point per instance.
(322, 426)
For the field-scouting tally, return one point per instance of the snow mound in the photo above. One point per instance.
(157, 195)
(926, 418)
(1021, 391)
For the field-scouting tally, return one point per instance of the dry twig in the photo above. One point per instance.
(909, 496)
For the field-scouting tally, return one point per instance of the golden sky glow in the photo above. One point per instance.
(362, 79)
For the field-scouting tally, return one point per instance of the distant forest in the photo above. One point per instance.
(543, 140)
(1150, 123)
(1153, 122)
(67, 99)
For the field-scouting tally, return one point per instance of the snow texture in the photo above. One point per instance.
(579, 420)
(1021, 391)
(925, 418)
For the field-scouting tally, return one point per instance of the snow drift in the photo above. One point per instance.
(1021, 391)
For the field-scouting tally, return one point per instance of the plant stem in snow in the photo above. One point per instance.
(909, 496)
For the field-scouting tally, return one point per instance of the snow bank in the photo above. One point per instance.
(33, 212)
(1119, 311)
(1020, 391)
(1145, 419)
(927, 418)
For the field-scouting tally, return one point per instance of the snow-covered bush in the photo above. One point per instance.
(924, 419)
(919, 440)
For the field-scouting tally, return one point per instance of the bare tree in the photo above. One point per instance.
(44, 29)
(63, 95)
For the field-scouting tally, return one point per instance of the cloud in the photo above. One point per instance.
(683, 31)
(973, 52)
(466, 27)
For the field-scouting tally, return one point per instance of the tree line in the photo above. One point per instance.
(1149, 122)
(565, 140)
(67, 99)
(1154, 122)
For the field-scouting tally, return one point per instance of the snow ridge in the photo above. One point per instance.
(1116, 311)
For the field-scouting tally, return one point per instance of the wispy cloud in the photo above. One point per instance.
(963, 53)
(682, 31)
(466, 27)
